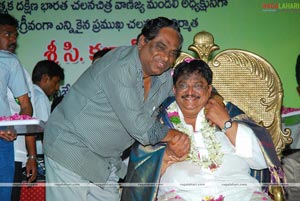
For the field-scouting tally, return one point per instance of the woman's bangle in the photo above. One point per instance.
(31, 157)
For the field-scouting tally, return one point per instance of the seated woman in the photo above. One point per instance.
(225, 145)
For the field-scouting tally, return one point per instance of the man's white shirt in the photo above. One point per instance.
(19, 143)
(43, 109)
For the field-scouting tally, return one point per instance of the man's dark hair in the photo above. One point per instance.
(56, 100)
(153, 26)
(49, 68)
(7, 19)
(194, 66)
(298, 70)
(100, 53)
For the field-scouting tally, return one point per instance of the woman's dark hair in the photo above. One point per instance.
(193, 66)
(153, 26)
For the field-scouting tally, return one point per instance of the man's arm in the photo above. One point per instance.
(247, 147)
(217, 114)
(31, 165)
(126, 97)
(25, 104)
(240, 135)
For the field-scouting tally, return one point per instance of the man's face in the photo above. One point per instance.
(8, 38)
(158, 54)
(192, 93)
(50, 85)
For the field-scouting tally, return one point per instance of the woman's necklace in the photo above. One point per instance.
(214, 157)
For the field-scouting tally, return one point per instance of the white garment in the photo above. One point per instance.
(231, 180)
(19, 143)
(63, 184)
(43, 109)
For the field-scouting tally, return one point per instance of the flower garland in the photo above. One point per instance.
(210, 198)
(16, 116)
(214, 158)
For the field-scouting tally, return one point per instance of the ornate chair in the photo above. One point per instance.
(249, 81)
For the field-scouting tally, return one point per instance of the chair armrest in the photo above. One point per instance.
(277, 193)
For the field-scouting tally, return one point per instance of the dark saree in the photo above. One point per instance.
(142, 180)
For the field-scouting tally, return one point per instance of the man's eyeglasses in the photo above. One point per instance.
(196, 87)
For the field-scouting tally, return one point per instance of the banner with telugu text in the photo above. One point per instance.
(71, 31)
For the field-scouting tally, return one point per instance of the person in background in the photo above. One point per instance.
(11, 77)
(298, 74)
(225, 145)
(291, 159)
(46, 78)
(291, 117)
(99, 54)
(111, 105)
(24, 146)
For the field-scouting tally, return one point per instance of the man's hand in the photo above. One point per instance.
(8, 135)
(31, 165)
(178, 144)
(216, 113)
(31, 169)
(178, 148)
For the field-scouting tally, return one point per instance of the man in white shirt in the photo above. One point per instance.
(11, 78)
(223, 150)
(46, 77)
(225, 146)
(8, 42)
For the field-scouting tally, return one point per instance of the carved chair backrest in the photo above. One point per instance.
(247, 80)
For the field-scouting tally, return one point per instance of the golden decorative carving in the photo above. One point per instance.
(204, 45)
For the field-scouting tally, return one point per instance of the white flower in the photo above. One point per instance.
(214, 158)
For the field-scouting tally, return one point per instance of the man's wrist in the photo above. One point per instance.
(227, 125)
(32, 157)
